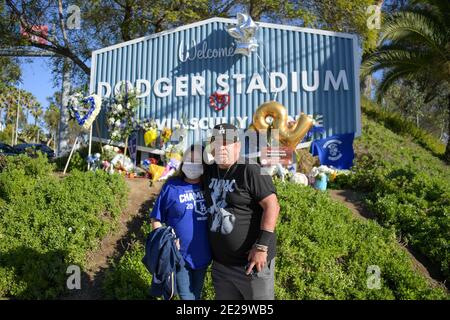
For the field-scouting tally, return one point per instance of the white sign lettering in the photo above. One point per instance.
(202, 51)
(195, 84)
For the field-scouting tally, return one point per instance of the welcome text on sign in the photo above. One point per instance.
(195, 85)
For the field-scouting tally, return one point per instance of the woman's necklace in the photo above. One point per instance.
(218, 171)
(222, 194)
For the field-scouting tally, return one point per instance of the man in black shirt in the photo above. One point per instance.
(243, 209)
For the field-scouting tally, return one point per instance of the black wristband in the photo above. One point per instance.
(265, 237)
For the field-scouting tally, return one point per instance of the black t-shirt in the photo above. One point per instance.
(234, 212)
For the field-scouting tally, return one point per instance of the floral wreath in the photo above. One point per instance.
(84, 110)
(219, 101)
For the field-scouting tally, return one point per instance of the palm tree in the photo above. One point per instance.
(36, 111)
(414, 45)
(51, 118)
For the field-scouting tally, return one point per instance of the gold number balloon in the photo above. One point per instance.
(290, 136)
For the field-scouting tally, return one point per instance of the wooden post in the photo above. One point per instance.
(98, 135)
(70, 155)
(125, 151)
(90, 146)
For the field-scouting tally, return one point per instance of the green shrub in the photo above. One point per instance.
(129, 279)
(323, 253)
(406, 187)
(48, 223)
(399, 125)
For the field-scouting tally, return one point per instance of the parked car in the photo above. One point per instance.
(7, 150)
(32, 148)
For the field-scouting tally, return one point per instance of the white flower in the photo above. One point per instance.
(117, 123)
(70, 229)
(115, 134)
(128, 105)
(73, 102)
(116, 149)
(112, 120)
(119, 108)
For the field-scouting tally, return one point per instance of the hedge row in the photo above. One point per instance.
(48, 223)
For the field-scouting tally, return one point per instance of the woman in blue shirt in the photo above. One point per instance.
(181, 205)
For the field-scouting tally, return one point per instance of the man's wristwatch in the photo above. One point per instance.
(261, 247)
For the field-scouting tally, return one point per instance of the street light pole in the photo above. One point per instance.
(14, 141)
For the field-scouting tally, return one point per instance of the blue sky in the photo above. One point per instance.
(37, 78)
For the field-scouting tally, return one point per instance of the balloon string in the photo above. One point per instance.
(267, 71)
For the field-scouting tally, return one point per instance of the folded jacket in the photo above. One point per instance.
(161, 259)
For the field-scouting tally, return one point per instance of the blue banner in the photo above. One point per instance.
(132, 147)
(336, 151)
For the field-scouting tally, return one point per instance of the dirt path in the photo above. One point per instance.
(113, 246)
(354, 201)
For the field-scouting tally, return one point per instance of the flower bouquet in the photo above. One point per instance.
(151, 131)
(121, 114)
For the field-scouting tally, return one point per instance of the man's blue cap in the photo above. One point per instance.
(225, 132)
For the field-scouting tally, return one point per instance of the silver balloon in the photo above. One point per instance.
(244, 33)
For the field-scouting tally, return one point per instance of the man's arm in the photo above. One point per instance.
(271, 210)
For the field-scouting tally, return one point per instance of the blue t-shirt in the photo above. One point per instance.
(181, 205)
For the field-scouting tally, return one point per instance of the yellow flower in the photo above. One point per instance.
(166, 134)
(150, 136)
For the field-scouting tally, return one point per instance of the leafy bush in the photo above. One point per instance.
(129, 279)
(399, 125)
(407, 188)
(48, 223)
(323, 253)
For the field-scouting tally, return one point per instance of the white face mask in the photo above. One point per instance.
(192, 170)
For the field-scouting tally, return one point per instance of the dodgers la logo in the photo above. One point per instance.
(200, 207)
(333, 149)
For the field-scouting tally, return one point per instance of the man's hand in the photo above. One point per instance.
(256, 258)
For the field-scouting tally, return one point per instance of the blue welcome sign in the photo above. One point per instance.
(177, 71)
